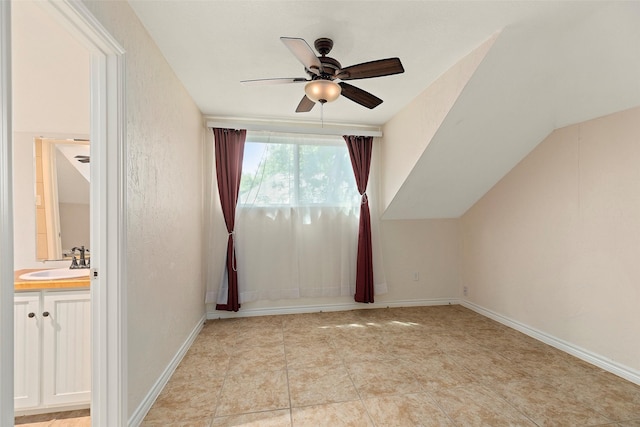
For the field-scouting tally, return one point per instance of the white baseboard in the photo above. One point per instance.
(141, 411)
(271, 311)
(586, 355)
(52, 408)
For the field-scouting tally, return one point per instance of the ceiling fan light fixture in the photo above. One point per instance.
(322, 90)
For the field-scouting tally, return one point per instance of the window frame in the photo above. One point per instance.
(297, 140)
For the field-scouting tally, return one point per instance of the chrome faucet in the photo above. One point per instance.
(83, 261)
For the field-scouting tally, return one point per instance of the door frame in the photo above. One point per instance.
(108, 226)
(6, 221)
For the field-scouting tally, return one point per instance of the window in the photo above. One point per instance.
(296, 229)
(296, 171)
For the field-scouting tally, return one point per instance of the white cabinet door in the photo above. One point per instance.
(66, 355)
(26, 317)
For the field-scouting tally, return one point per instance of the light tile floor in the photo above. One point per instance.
(418, 366)
(426, 366)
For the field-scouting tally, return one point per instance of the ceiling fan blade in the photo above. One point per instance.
(279, 81)
(360, 96)
(366, 70)
(301, 50)
(305, 105)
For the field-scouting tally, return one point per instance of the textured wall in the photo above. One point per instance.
(164, 289)
(555, 243)
(429, 247)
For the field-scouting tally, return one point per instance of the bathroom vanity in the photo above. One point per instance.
(52, 333)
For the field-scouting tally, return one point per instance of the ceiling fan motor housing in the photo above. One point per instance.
(323, 45)
(330, 66)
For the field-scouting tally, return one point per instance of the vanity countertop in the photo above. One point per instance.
(37, 285)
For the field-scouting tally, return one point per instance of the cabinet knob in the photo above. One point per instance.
(45, 314)
(31, 315)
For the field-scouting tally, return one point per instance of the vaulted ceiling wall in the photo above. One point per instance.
(408, 133)
(533, 80)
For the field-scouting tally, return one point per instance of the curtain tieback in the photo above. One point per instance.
(365, 199)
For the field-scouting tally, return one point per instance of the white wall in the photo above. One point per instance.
(427, 247)
(554, 245)
(50, 98)
(50, 78)
(75, 225)
(164, 286)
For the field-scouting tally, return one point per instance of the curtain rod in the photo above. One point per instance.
(292, 127)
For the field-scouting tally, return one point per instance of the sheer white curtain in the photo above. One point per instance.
(293, 252)
(373, 191)
(297, 219)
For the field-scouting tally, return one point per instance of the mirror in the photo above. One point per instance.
(62, 197)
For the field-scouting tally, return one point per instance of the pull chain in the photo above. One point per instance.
(322, 114)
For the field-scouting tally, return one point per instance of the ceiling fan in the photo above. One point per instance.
(326, 81)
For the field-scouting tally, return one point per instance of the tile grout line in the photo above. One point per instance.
(435, 401)
(482, 384)
(286, 369)
(224, 380)
(490, 390)
(353, 382)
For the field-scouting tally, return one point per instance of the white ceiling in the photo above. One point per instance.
(212, 45)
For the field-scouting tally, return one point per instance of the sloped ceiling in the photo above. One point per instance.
(73, 176)
(533, 80)
(555, 63)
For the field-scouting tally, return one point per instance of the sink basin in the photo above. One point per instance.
(56, 274)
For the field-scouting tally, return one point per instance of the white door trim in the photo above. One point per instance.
(108, 304)
(108, 393)
(6, 221)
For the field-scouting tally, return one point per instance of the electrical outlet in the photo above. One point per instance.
(416, 276)
(465, 291)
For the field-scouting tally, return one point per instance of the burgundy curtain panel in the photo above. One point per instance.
(229, 150)
(360, 148)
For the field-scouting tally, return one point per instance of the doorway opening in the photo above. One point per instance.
(107, 305)
(51, 85)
